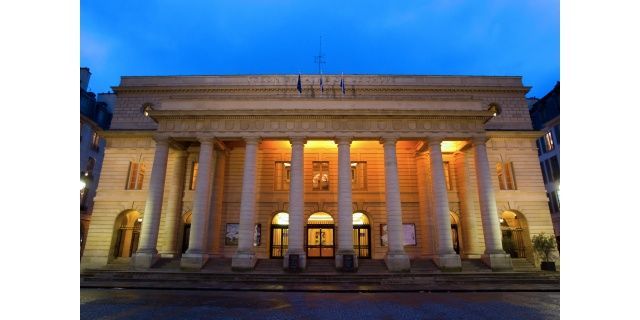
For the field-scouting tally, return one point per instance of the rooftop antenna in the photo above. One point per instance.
(319, 59)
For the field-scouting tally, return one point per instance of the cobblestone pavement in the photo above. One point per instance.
(188, 304)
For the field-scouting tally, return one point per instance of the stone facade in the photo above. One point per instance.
(423, 158)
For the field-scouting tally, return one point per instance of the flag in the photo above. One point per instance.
(342, 86)
(299, 85)
(321, 85)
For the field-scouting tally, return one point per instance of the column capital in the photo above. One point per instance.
(251, 140)
(343, 140)
(434, 141)
(389, 140)
(205, 139)
(297, 140)
(161, 138)
(479, 140)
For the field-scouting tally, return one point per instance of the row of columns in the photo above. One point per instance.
(244, 258)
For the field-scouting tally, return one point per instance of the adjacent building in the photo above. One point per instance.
(545, 115)
(95, 117)
(396, 168)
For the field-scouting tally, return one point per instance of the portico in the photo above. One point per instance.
(261, 153)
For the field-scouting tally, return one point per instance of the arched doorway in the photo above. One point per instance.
(320, 230)
(186, 231)
(514, 234)
(361, 235)
(455, 233)
(279, 235)
(127, 234)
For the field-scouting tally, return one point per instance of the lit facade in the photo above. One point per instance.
(95, 116)
(545, 116)
(247, 168)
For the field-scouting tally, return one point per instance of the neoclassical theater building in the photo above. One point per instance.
(244, 168)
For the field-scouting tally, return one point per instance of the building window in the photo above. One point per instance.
(320, 176)
(91, 163)
(548, 141)
(282, 175)
(447, 176)
(539, 147)
(358, 175)
(136, 176)
(555, 202)
(194, 175)
(506, 178)
(555, 167)
(544, 173)
(95, 141)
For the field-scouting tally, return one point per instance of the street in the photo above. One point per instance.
(189, 304)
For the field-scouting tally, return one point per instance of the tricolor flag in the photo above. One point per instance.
(342, 85)
(299, 85)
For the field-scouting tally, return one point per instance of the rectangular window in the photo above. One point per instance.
(194, 175)
(359, 175)
(95, 141)
(320, 179)
(506, 178)
(548, 141)
(447, 177)
(544, 174)
(282, 175)
(136, 176)
(555, 166)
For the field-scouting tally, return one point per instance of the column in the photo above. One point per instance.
(174, 205)
(147, 253)
(296, 204)
(446, 258)
(345, 205)
(196, 255)
(245, 258)
(494, 256)
(467, 195)
(215, 211)
(396, 259)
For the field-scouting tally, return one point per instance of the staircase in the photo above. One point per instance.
(474, 265)
(523, 265)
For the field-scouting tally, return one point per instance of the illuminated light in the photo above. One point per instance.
(287, 164)
(86, 174)
(495, 114)
(451, 146)
(354, 164)
(82, 184)
(501, 220)
(321, 217)
(139, 219)
(321, 144)
(281, 218)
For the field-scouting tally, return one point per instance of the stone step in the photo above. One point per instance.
(523, 265)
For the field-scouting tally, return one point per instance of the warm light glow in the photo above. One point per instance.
(354, 164)
(139, 219)
(320, 218)
(359, 218)
(451, 146)
(321, 144)
(82, 184)
(281, 218)
(501, 220)
(495, 114)
(287, 164)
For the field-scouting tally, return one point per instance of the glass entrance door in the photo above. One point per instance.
(362, 240)
(279, 240)
(320, 241)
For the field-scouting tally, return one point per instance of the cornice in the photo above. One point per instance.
(514, 134)
(128, 133)
(319, 114)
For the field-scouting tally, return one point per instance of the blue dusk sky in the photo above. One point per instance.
(444, 37)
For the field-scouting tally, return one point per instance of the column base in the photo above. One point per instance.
(397, 262)
(193, 261)
(497, 261)
(144, 260)
(339, 259)
(448, 262)
(471, 255)
(301, 265)
(243, 261)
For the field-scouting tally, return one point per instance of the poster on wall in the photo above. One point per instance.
(408, 230)
(232, 233)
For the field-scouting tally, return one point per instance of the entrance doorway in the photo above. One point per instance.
(319, 236)
(361, 235)
(279, 235)
(455, 236)
(513, 235)
(127, 235)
